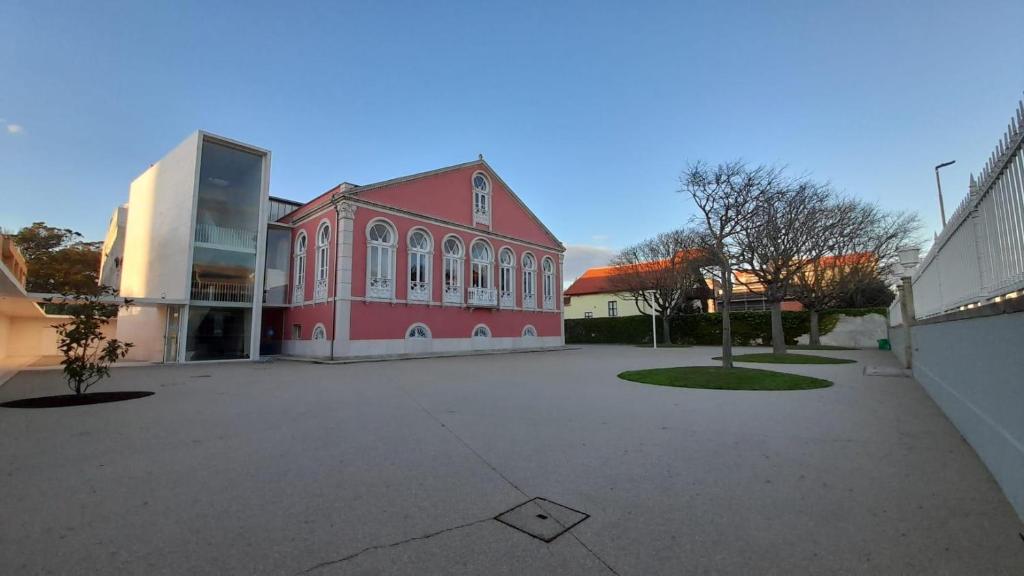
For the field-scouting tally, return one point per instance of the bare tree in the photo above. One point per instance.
(863, 251)
(728, 197)
(795, 227)
(664, 273)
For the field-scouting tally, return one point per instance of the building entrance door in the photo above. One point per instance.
(171, 334)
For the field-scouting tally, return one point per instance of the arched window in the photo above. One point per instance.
(418, 330)
(419, 265)
(299, 287)
(453, 258)
(529, 331)
(481, 279)
(549, 283)
(529, 281)
(507, 278)
(319, 332)
(323, 251)
(481, 331)
(481, 199)
(380, 261)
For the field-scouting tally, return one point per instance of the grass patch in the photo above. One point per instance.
(718, 378)
(769, 358)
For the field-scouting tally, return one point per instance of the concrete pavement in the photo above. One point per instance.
(399, 467)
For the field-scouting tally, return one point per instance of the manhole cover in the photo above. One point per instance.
(543, 519)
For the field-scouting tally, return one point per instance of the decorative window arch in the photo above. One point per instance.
(529, 280)
(548, 269)
(421, 246)
(481, 265)
(417, 330)
(380, 259)
(481, 331)
(481, 198)
(299, 265)
(323, 252)
(454, 256)
(529, 331)
(507, 278)
(319, 332)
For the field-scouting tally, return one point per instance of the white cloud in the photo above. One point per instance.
(599, 237)
(15, 128)
(579, 257)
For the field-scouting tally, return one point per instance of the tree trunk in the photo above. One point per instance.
(726, 323)
(665, 336)
(778, 335)
(815, 337)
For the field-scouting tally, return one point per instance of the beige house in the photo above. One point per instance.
(592, 296)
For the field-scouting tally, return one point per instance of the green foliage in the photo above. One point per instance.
(58, 260)
(718, 378)
(88, 354)
(748, 327)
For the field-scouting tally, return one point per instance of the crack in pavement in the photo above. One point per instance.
(392, 545)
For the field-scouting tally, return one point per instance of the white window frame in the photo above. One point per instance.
(507, 278)
(529, 281)
(481, 275)
(487, 331)
(321, 329)
(453, 271)
(416, 326)
(481, 199)
(548, 287)
(419, 290)
(529, 328)
(613, 308)
(299, 263)
(323, 253)
(381, 287)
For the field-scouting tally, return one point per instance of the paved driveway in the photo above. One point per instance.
(398, 467)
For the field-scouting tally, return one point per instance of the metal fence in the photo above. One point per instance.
(979, 256)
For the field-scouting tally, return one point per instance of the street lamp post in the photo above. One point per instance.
(654, 323)
(938, 184)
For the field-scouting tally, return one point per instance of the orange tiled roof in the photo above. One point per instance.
(600, 279)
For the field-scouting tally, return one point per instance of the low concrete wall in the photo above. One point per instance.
(974, 370)
(898, 341)
(853, 332)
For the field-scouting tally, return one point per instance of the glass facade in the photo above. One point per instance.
(275, 275)
(227, 224)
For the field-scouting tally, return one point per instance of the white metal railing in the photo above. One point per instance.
(452, 294)
(529, 300)
(481, 215)
(320, 289)
(298, 294)
(483, 297)
(549, 302)
(419, 291)
(979, 255)
(221, 291)
(507, 299)
(380, 288)
(232, 238)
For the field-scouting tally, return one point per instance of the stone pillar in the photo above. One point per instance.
(560, 303)
(906, 290)
(343, 277)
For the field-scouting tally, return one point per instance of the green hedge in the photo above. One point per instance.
(747, 327)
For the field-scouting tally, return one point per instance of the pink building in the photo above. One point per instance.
(444, 261)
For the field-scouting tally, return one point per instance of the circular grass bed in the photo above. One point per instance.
(718, 378)
(769, 358)
(65, 400)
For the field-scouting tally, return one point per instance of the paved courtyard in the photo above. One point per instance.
(400, 467)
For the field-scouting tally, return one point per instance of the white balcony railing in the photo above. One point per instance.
(380, 288)
(221, 291)
(453, 294)
(549, 302)
(529, 301)
(483, 297)
(298, 294)
(320, 289)
(228, 238)
(419, 291)
(481, 215)
(508, 300)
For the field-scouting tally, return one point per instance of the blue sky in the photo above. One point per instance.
(588, 110)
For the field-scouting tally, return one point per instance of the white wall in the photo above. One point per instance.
(359, 348)
(157, 238)
(144, 327)
(5, 330)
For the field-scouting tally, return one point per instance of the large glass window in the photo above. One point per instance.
(275, 275)
(218, 333)
(529, 280)
(481, 266)
(299, 291)
(506, 281)
(453, 258)
(323, 251)
(549, 283)
(419, 265)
